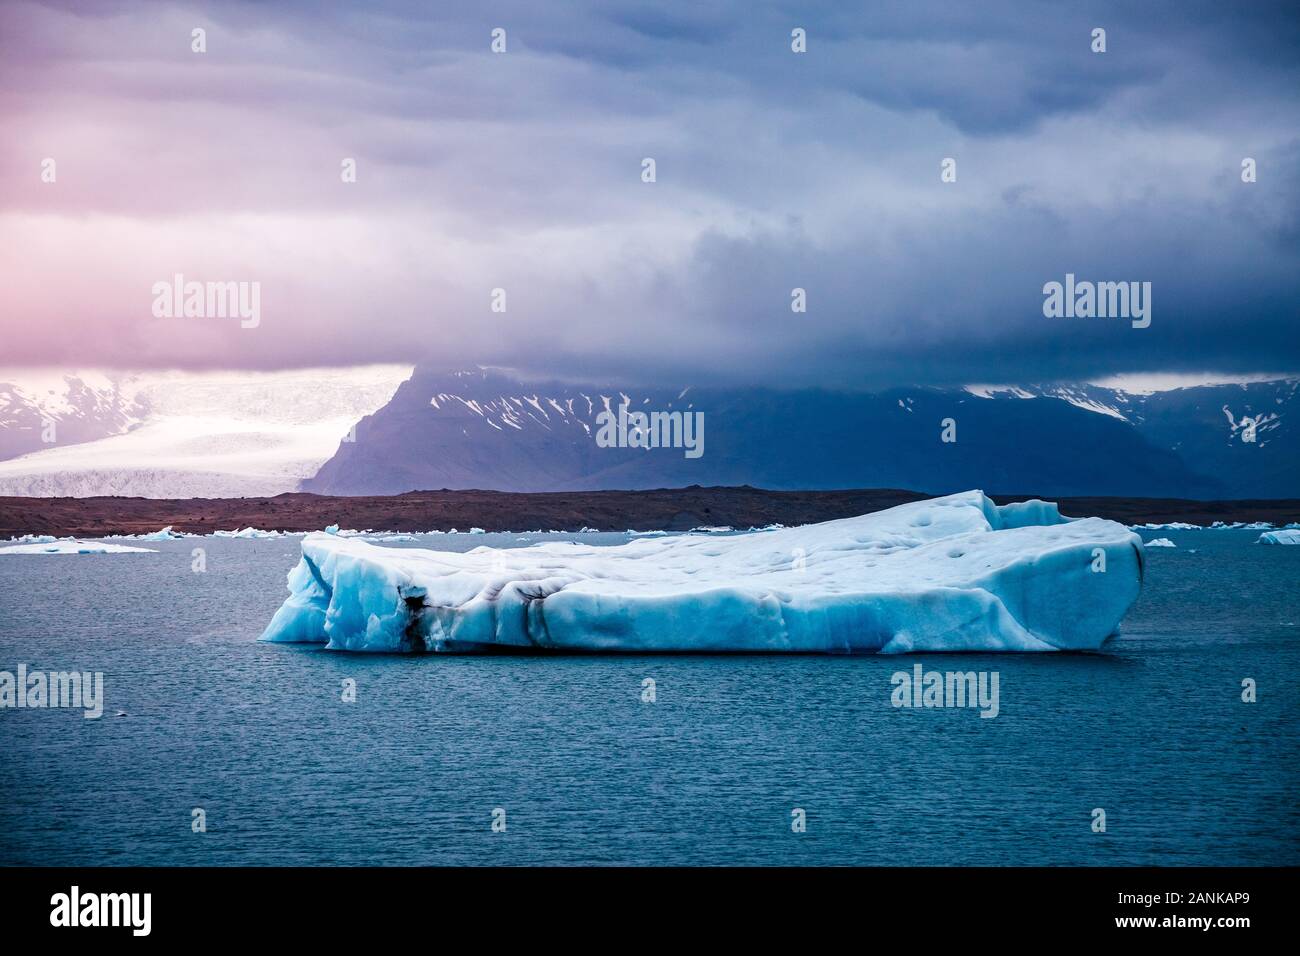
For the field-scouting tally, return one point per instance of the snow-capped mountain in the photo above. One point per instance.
(1241, 435)
(487, 429)
(230, 434)
(179, 434)
(39, 409)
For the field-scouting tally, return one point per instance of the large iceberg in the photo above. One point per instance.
(1281, 536)
(950, 574)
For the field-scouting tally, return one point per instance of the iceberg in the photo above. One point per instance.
(958, 573)
(166, 534)
(1283, 536)
(1160, 543)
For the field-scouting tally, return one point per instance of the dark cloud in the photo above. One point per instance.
(775, 170)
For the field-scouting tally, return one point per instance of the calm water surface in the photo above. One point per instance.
(1153, 730)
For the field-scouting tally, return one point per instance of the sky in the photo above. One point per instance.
(774, 170)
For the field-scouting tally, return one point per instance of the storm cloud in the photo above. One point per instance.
(775, 170)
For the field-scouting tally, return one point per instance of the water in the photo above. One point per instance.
(1153, 730)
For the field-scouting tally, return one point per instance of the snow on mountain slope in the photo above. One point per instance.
(41, 407)
(190, 434)
(957, 573)
(1091, 398)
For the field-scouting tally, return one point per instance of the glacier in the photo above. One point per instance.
(957, 573)
(180, 434)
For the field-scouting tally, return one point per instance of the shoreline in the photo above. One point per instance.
(672, 509)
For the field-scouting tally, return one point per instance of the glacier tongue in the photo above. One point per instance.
(957, 573)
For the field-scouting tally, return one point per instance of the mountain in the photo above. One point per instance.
(38, 409)
(487, 429)
(244, 434)
(179, 434)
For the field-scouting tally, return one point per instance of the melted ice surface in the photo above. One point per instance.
(71, 546)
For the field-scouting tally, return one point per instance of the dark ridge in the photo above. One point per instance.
(670, 509)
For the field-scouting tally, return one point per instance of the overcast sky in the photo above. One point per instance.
(775, 170)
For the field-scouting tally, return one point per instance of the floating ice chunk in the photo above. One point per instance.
(73, 546)
(1283, 536)
(954, 573)
(166, 534)
(33, 539)
(247, 533)
(1167, 526)
(1160, 543)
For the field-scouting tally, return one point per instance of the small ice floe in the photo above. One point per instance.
(1283, 536)
(34, 539)
(1160, 543)
(73, 546)
(585, 530)
(247, 533)
(166, 534)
